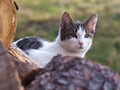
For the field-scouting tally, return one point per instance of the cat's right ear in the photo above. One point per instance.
(66, 20)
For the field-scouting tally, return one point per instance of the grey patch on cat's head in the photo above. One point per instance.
(68, 28)
(80, 25)
(29, 43)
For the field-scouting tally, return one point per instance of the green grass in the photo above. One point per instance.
(41, 18)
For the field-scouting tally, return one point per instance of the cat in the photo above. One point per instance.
(74, 39)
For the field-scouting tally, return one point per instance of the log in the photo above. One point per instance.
(25, 66)
(8, 24)
(9, 78)
(8, 21)
(23, 63)
(73, 73)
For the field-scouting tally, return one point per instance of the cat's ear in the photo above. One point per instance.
(91, 22)
(66, 20)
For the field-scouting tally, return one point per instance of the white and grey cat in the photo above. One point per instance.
(74, 39)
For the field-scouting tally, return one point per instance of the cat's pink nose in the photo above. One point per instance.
(81, 43)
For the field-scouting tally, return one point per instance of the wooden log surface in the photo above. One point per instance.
(8, 21)
(21, 57)
(26, 68)
(9, 78)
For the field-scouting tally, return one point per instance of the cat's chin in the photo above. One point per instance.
(77, 50)
(80, 47)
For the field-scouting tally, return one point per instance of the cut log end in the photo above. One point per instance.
(73, 73)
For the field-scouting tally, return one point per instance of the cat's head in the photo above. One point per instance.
(76, 36)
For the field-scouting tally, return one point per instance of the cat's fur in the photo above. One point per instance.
(74, 39)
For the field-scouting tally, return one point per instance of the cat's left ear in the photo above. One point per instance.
(91, 22)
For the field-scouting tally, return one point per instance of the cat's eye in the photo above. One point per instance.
(87, 35)
(68, 37)
(74, 35)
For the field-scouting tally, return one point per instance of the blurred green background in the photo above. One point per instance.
(41, 18)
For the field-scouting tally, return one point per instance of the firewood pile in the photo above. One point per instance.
(19, 72)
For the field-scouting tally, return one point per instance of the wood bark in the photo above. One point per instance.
(22, 62)
(9, 78)
(8, 21)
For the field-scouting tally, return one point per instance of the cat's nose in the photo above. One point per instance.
(80, 43)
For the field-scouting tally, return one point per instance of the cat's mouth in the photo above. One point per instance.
(80, 47)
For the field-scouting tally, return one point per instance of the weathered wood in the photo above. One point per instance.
(22, 62)
(24, 65)
(8, 21)
(9, 78)
(73, 73)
